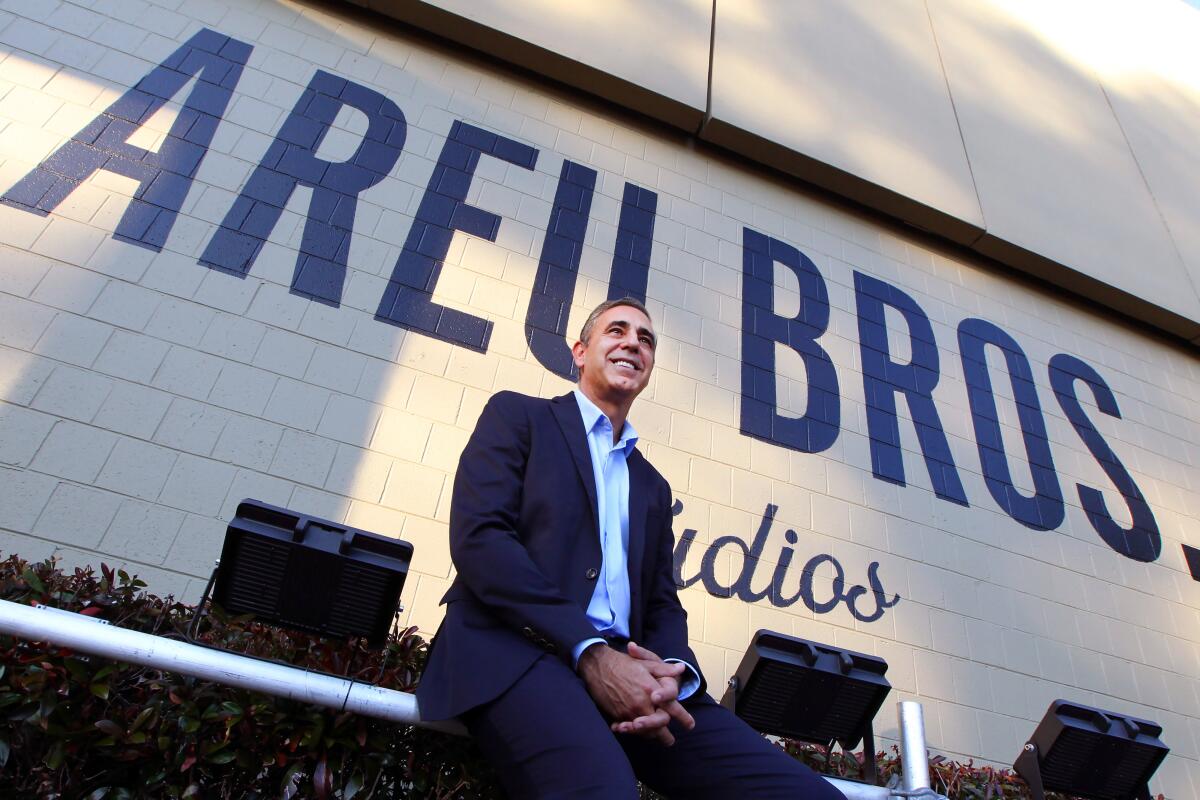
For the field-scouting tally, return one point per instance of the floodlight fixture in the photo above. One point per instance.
(813, 692)
(1086, 752)
(298, 571)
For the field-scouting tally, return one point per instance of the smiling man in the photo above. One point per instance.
(564, 648)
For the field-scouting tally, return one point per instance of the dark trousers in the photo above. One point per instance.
(547, 739)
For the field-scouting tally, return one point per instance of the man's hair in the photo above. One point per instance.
(632, 302)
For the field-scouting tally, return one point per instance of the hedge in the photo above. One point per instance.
(74, 726)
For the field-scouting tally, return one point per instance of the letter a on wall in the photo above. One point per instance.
(164, 177)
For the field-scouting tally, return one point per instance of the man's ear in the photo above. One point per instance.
(577, 351)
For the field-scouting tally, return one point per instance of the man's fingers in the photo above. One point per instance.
(651, 726)
(645, 654)
(661, 669)
(668, 691)
(663, 736)
(658, 718)
(620, 685)
(676, 711)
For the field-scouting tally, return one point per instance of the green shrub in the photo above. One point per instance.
(74, 726)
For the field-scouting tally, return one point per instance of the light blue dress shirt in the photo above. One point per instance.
(609, 607)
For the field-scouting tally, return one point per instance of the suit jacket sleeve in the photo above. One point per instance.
(486, 540)
(665, 622)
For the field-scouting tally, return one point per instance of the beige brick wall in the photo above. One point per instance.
(143, 395)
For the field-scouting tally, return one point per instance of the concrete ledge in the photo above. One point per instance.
(555, 66)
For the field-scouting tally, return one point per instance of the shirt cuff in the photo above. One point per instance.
(584, 645)
(689, 681)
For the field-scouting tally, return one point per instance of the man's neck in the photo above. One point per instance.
(616, 411)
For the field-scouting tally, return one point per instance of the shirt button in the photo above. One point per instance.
(591, 574)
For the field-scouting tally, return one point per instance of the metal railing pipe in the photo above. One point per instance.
(854, 790)
(92, 636)
(914, 757)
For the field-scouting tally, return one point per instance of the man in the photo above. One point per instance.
(564, 648)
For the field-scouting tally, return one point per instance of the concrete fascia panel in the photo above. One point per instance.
(649, 57)
(1161, 120)
(1055, 174)
(841, 182)
(1089, 287)
(849, 96)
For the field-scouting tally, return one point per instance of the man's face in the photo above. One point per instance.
(615, 363)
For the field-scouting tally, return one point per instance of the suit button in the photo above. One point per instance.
(591, 574)
(528, 632)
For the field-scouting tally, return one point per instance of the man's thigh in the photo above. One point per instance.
(723, 758)
(547, 739)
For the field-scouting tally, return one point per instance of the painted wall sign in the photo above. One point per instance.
(291, 161)
(866, 603)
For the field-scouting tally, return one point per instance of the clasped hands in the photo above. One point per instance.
(637, 690)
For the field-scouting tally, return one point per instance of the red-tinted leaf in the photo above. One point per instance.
(190, 760)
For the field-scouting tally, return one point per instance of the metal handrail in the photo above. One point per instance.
(98, 638)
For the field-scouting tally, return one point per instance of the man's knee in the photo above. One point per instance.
(546, 739)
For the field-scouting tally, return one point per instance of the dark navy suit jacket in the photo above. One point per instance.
(523, 537)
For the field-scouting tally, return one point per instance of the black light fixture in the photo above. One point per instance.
(1086, 752)
(310, 574)
(813, 692)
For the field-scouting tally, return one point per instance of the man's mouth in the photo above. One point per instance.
(625, 362)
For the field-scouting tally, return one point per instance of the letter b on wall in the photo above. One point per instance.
(817, 430)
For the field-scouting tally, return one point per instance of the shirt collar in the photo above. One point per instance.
(592, 415)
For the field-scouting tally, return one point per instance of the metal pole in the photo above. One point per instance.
(89, 635)
(96, 637)
(859, 791)
(914, 758)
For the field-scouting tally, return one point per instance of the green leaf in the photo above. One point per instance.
(222, 757)
(4, 752)
(77, 668)
(110, 727)
(55, 757)
(141, 718)
(100, 793)
(100, 690)
(34, 581)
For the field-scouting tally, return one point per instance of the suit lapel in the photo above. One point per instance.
(566, 412)
(638, 504)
